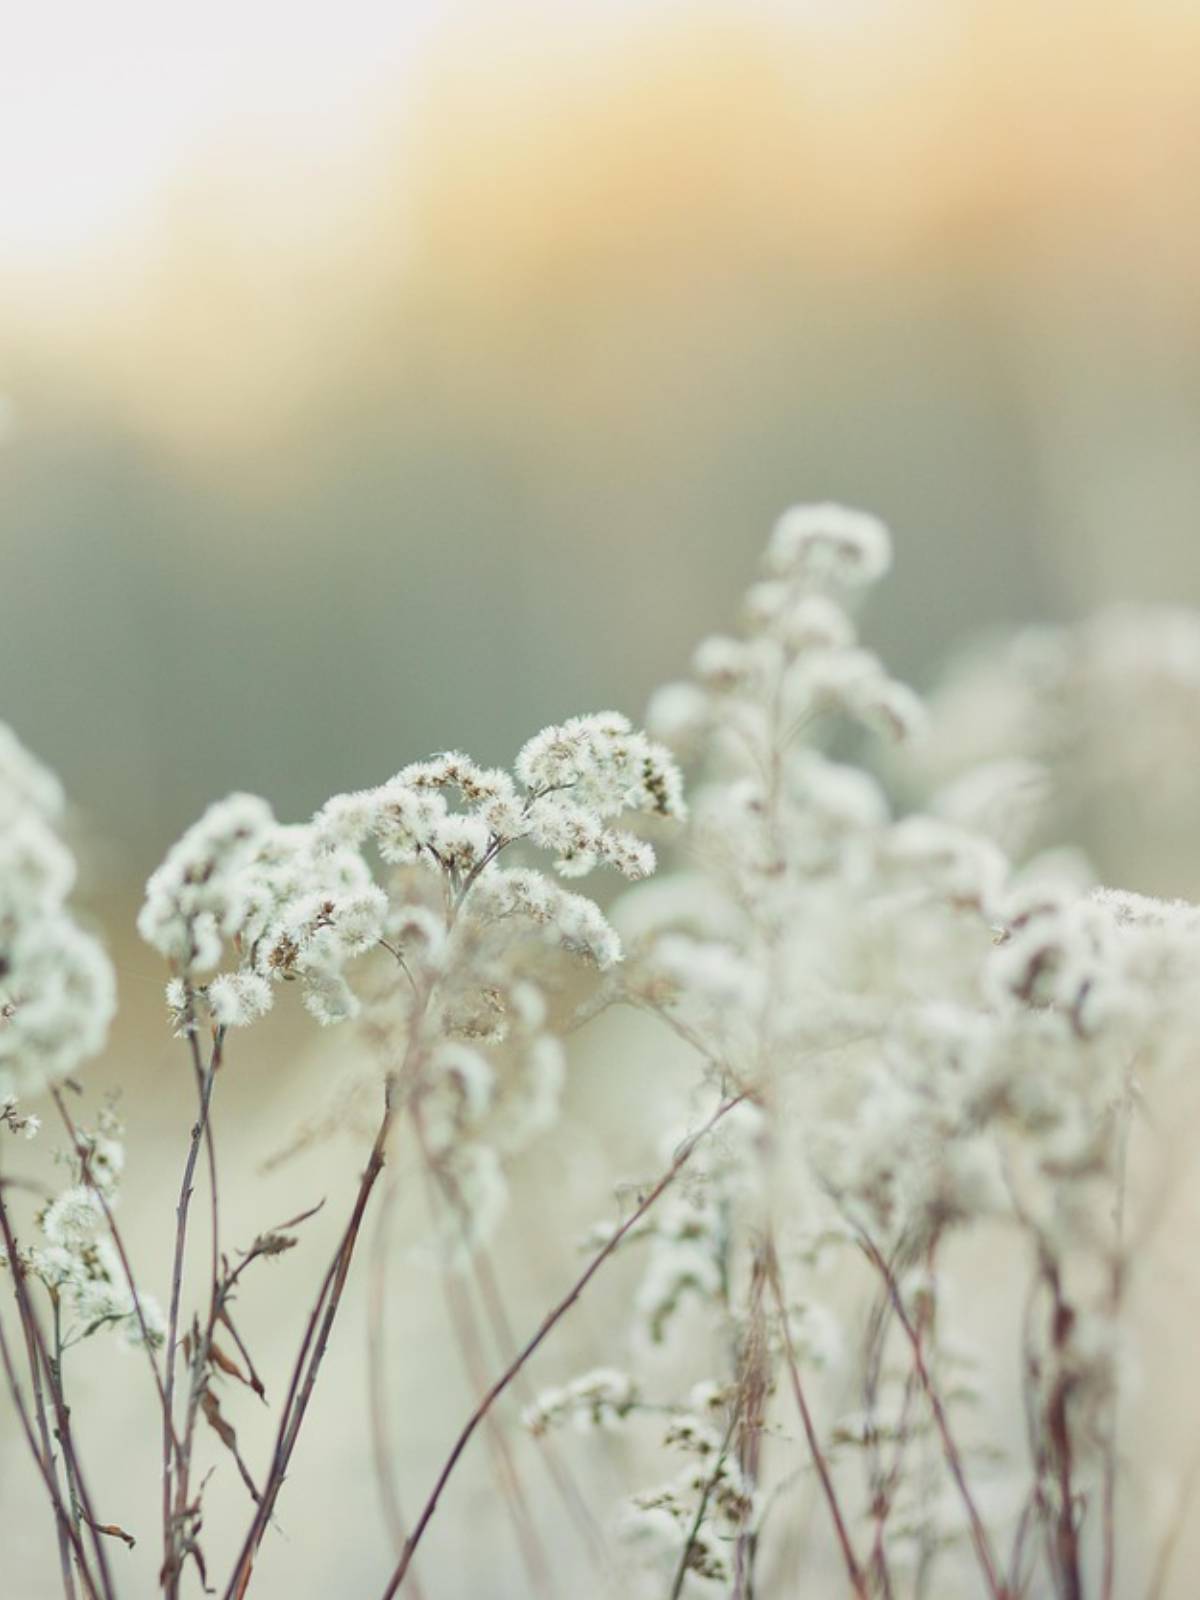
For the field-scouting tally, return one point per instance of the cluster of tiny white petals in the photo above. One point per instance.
(688, 1232)
(933, 1032)
(570, 921)
(829, 545)
(799, 658)
(57, 988)
(602, 1398)
(291, 903)
(912, 1034)
(409, 873)
(75, 1256)
(696, 1516)
(572, 782)
(235, 999)
(194, 901)
(484, 1077)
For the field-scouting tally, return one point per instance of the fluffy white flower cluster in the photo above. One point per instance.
(411, 871)
(572, 782)
(598, 1399)
(934, 1031)
(689, 1240)
(799, 658)
(484, 1075)
(76, 1258)
(57, 990)
(968, 1002)
(696, 1517)
(292, 906)
(829, 545)
(301, 902)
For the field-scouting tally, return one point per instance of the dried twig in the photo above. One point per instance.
(685, 1555)
(549, 1322)
(979, 1536)
(175, 1449)
(311, 1355)
(42, 1370)
(853, 1570)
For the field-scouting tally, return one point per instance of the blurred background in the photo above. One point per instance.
(377, 377)
(381, 377)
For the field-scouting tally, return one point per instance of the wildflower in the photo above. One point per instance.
(57, 988)
(829, 544)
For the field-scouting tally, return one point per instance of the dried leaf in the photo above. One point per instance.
(113, 1532)
(226, 1363)
(255, 1381)
(225, 1431)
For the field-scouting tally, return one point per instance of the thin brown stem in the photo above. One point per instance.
(40, 1363)
(681, 1571)
(311, 1356)
(1108, 1513)
(378, 1404)
(172, 1563)
(63, 1521)
(979, 1537)
(886, 1480)
(506, 1345)
(1058, 1428)
(201, 1346)
(57, 1377)
(753, 1389)
(853, 1570)
(1016, 1582)
(118, 1243)
(462, 1321)
(549, 1322)
(43, 1426)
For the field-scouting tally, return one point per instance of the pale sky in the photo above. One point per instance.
(99, 104)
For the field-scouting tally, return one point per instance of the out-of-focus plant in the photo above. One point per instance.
(908, 1036)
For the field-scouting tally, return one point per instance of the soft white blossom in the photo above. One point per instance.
(57, 987)
(829, 544)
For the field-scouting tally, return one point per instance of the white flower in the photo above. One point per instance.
(830, 544)
(329, 998)
(347, 819)
(57, 988)
(236, 999)
(408, 818)
(460, 842)
(570, 920)
(74, 1218)
(598, 1399)
(604, 765)
(725, 664)
(194, 900)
